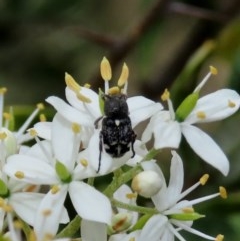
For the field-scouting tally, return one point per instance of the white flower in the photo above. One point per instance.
(168, 126)
(168, 201)
(54, 163)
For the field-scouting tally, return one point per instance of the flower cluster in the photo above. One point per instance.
(87, 138)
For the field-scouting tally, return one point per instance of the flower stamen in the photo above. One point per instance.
(76, 128)
(201, 115)
(204, 179)
(231, 104)
(84, 162)
(223, 192)
(19, 175)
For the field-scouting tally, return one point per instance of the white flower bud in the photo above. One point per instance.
(147, 183)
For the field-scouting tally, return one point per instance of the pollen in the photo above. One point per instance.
(223, 192)
(31, 188)
(40, 106)
(166, 95)
(213, 70)
(231, 104)
(204, 179)
(87, 85)
(8, 208)
(132, 239)
(124, 75)
(83, 98)
(84, 162)
(48, 237)
(33, 132)
(55, 189)
(3, 90)
(47, 212)
(2, 202)
(114, 90)
(3, 135)
(105, 69)
(188, 210)
(201, 115)
(76, 128)
(71, 83)
(131, 195)
(42, 118)
(19, 175)
(220, 237)
(17, 224)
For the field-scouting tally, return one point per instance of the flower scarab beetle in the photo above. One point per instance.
(116, 136)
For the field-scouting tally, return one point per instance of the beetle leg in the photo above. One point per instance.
(96, 122)
(132, 143)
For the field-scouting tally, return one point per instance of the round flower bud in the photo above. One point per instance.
(147, 183)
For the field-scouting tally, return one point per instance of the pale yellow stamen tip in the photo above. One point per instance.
(213, 70)
(166, 95)
(3, 135)
(223, 192)
(124, 75)
(105, 69)
(3, 90)
(55, 189)
(47, 212)
(71, 83)
(7, 116)
(231, 104)
(33, 132)
(220, 237)
(131, 195)
(201, 115)
(19, 175)
(114, 90)
(8, 208)
(83, 98)
(84, 162)
(87, 85)
(204, 179)
(76, 128)
(132, 239)
(31, 188)
(40, 106)
(17, 224)
(188, 210)
(42, 118)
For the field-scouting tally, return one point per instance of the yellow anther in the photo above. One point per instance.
(204, 179)
(220, 237)
(124, 76)
(30, 188)
(7, 116)
(188, 210)
(71, 83)
(19, 175)
(17, 224)
(33, 132)
(8, 208)
(86, 85)
(40, 106)
(213, 70)
(76, 128)
(114, 90)
(48, 237)
(55, 189)
(231, 104)
(3, 135)
(32, 236)
(132, 239)
(2, 202)
(201, 115)
(105, 69)
(166, 95)
(131, 195)
(3, 90)
(83, 98)
(223, 192)
(84, 162)
(42, 118)
(47, 212)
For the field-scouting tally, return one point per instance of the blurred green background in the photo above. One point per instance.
(166, 44)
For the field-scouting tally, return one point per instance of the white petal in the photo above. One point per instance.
(93, 231)
(89, 203)
(69, 113)
(206, 148)
(176, 179)
(153, 228)
(64, 142)
(92, 107)
(2, 215)
(167, 134)
(43, 129)
(49, 213)
(215, 106)
(141, 108)
(25, 204)
(35, 171)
